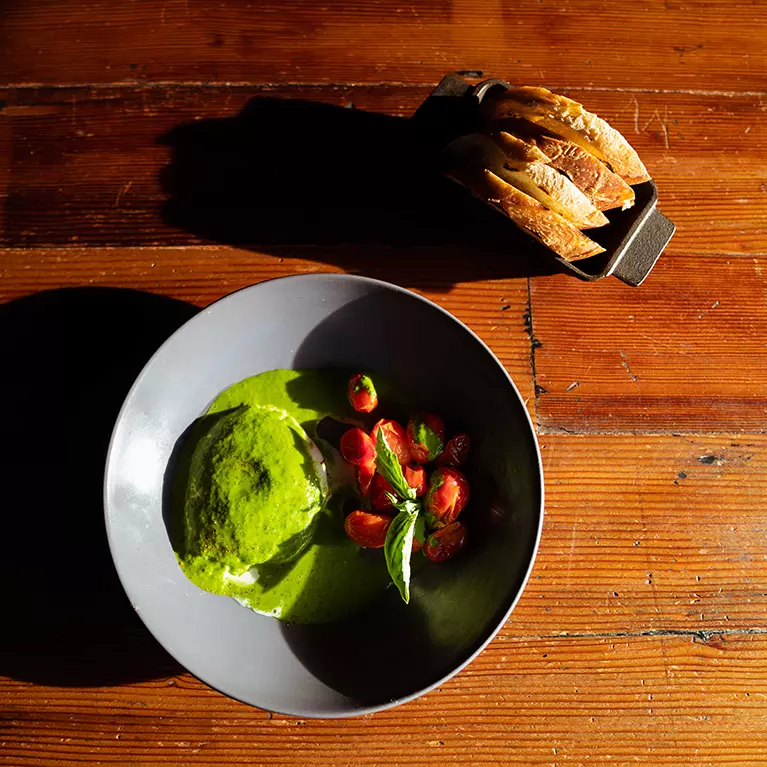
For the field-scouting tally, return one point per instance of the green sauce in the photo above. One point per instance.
(253, 490)
(253, 516)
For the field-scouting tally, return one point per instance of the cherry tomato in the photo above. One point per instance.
(455, 452)
(362, 393)
(396, 439)
(425, 437)
(417, 545)
(378, 498)
(365, 475)
(447, 497)
(415, 476)
(366, 529)
(357, 447)
(445, 543)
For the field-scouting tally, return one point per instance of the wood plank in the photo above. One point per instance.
(708, 44)
(549, 701)
(90, 166)
(493, 309)
(618, 507)
(649, 533)
(683, 353)
(635, 514)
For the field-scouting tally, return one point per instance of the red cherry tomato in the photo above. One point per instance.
(378, 498)
(396, 439)
(366, 529)
(365, 474)
(362, 393)
(357, 447)
(445, 543)
(455, 452)
(415, 476)
(425, 437)
(417, 545)
(447, 497)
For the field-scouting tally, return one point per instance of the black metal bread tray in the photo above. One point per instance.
(634, 239)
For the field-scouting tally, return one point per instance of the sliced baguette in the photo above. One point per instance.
(518, 152)
(536, 179)
(554, 190)
(546, 226)
(603, 187)
(568, 119)
(467, 163)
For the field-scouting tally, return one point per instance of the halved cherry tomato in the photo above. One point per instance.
(425, 437)
(378, 498)
(365, 474)
(396, 439)
(455, 452)
(415, 476)
(447, 496)
(445, 543)
(362, 393)
(357, 447)
(366, 529)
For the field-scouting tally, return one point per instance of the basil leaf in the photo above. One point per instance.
(397, 550)
(389, 467)
(411, 507)
(420, 528)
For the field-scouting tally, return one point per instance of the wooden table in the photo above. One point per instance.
(642, 635)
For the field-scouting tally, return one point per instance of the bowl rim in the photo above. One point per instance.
(200, 317)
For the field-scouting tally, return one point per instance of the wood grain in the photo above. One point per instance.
(134, 157)
(495, 310)
(684, 353)
(646, 504)
(98, 166)
(646, 533)
(549, 701)
(707, 44)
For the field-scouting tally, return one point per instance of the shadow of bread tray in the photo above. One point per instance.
(633, 241)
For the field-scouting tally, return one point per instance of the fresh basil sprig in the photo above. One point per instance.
(399, 538)
(389, 467)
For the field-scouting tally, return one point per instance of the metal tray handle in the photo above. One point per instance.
(640, 257)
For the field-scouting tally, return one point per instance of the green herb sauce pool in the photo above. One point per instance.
(254, 516)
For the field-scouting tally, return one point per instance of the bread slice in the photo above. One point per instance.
(540, 181)
(518, 152)
(568, 119)
(603, 187)
(468, 161)
(554, 231)
(554, 190)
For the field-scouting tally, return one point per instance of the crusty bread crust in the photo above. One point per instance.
(603, 187)
(518, 152)
(536, 179)
(568, 119)
(574, 204)
(548, 227)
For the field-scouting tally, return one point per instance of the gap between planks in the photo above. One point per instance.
(703, 635)
(64, 246)
(147, 85)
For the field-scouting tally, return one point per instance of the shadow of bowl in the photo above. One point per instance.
(69, 358)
